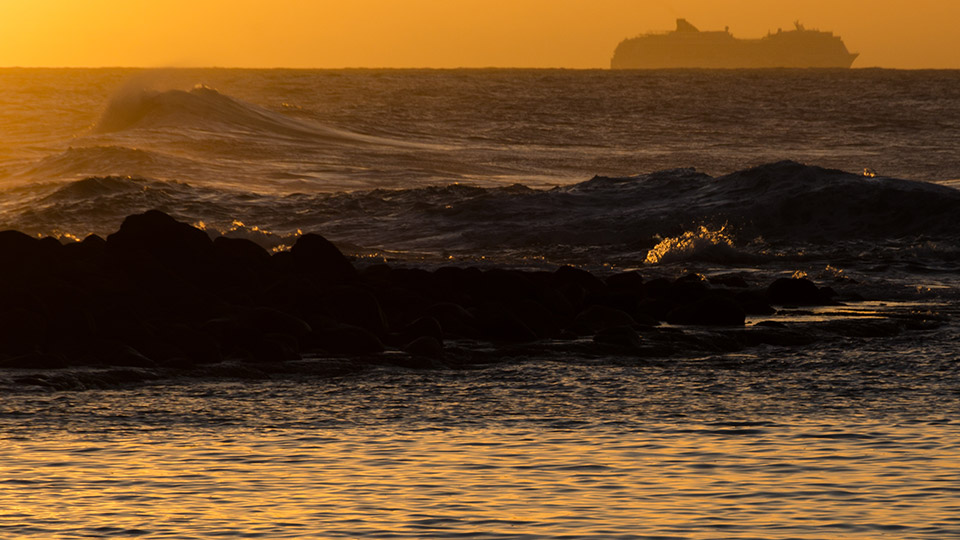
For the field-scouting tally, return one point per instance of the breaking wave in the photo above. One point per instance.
(701, 245)
(205, 109)
(663, 217)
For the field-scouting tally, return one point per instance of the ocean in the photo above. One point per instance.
(847, 177)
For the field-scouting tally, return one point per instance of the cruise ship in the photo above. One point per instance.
(688, 47)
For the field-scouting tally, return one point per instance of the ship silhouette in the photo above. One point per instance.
(688, 47)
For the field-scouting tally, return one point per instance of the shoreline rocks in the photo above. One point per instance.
(160, 293)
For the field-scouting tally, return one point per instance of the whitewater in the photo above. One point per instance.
(845, 429)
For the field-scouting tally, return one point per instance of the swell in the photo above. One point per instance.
(106, 160)
(755, 211)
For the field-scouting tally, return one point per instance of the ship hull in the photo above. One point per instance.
(720, 50)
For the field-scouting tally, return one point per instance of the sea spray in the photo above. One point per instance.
(704, 244)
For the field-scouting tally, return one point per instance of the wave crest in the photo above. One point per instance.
(703, 244)
(206, 109)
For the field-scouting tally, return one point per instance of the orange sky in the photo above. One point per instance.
(441, 33)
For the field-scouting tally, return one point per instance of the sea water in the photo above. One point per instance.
(716, 172)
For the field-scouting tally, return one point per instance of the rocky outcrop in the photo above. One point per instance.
(159, 292)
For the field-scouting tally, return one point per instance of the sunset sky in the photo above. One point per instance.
(441, 33)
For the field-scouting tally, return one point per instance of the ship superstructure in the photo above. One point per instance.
(688, 47)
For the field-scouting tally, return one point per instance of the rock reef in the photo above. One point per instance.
(159, 293)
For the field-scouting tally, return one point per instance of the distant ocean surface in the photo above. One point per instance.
(849, 177)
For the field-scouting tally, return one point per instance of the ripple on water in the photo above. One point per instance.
(490, 483)
(511, 451)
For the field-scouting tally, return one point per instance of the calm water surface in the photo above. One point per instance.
(742, 446)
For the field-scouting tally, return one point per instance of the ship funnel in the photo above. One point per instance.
(684, 26)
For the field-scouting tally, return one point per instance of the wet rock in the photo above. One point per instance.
(156, 238)
(89, 252)
(22, 331)
(426, 346)
(754, 302)
(543, 322)
(191, 346)
(35, 361)
(589, 282)
(115, 353)
(504, 285)
(26, 256)
(621, 337)
(626, 282)
(315, 255)
(422, 327)
(658, 288)
(653, 310)
(500, 323)
(597, 318)
(274, 347)
(345, 339)
(577, 285)
(240, 252)
(454, 319)
(353, 306)
(796, 292)
(688, 289)
(711, 310)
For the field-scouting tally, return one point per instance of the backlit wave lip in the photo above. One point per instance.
(205, 109)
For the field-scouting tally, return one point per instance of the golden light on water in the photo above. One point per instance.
(440, 33)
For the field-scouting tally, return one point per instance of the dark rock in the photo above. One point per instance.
(348, 340)
(21, 331)
(240, 251)
(569, 275)
(597, 318)
(621, 337)
(454, 319)
(423, 327)
(536, 317)
(754, 302)
(23, 254)
(426, 346)
(499, 322)
(654, 309)
(501, 284)
(353, 306)
(192, 346)
(658, 288)
(156, 238)
(379, 274)
(315, 255)
(274, 347)
(796, 292)
(90, 251)
(626, 281)
(35, 361)
(688, 289)
(711, 310)
(115, 353)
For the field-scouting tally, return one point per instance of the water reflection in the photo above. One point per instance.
(702, 448)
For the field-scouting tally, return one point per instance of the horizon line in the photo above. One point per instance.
(473, 68)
